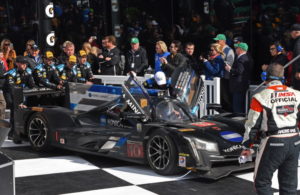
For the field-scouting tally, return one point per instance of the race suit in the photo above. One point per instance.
(46, 75)
(84, 73)
(273, 115)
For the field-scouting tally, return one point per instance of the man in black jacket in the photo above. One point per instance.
(174, 60)
(192, 61)
(110, 58)
(136, 58)
(239, 77)
(295, 34)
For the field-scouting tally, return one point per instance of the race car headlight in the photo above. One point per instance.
(206, 145)
(203, 144)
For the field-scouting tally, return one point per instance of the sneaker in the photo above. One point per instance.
(17, 140)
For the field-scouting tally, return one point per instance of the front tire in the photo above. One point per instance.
(162, 154)
(38, 132)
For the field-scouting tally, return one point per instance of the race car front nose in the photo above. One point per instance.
(201, 150)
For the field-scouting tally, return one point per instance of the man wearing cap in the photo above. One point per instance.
(136, 58)
(83, 69)
(45, 74)
(34, 57)
(239, 77)
(159, 81)
(228, 59)
(67, 72)
(295, 34)
(16, 77)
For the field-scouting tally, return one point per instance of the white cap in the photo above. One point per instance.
(160, 78)
(154, 23)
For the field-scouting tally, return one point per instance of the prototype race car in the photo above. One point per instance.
(144, 128)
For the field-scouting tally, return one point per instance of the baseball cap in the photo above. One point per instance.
(49, 54)
(220, 37)
(72, 58)
(295, 27)
(238, 39)
(160, 78)
(35, 47)
(134, 40)
(82, 53)
(21, 59)
(243, 46)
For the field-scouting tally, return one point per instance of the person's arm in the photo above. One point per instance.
(238, 68)
(216, 68)
(115, 59)
(144, 61)
(252, 125)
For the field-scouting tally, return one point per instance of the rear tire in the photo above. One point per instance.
(38, 132)
(162, 154)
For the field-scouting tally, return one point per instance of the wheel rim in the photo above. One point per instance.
(159, 152)
(37, 132)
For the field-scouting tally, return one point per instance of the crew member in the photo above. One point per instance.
(274, 113)
(67, 72)
(83, 69)
(16, 77)
(46, 75)
(159, 81)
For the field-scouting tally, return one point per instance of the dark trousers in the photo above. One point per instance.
(239, 101)
(281, 154)
(225, 95)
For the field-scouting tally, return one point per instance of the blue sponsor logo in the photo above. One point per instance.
(121, 141)
(103, 120)
(231, 136)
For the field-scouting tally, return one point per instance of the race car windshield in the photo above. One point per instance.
(170, 112)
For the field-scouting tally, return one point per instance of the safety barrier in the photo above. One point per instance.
(212, 92)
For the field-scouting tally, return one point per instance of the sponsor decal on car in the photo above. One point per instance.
(231, 136)
(135, 149)
(121, 141)
(186, 130)
(203, 124)
(139, 127)
(133, 107)
(182, 161)
(233, 148)
(143, 103)
(103, 120)
(62, 141)
(216, 128)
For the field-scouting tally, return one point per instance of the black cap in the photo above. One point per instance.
(295, 27)
(238, 39)
(21, 59)
(34, 47)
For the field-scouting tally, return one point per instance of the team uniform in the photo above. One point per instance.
(67, 74)
(46, 76)
(274, 113)
(84, 72)
(16, 78)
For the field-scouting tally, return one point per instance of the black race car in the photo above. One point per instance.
(150, 129)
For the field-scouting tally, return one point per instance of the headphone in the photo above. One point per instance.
(265, 76)
(279, 48)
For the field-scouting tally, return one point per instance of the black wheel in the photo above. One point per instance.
(162, 154)
(38, 132)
